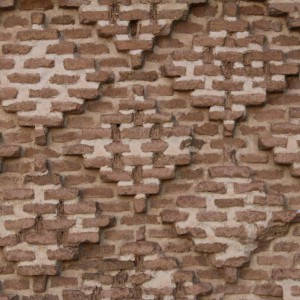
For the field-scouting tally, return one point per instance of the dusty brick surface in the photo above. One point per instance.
(149, 149)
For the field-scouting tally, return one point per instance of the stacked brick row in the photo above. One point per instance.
(149, 149)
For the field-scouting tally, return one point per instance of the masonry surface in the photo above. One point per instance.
(150, 149)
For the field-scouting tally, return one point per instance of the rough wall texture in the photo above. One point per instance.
(149, 149)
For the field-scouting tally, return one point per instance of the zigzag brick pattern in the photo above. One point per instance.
(149, 149)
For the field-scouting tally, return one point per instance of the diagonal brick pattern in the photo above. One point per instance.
(149, 149)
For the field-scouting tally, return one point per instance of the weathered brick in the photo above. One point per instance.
(36, 34)
(34, 63)
(36, 5)
(36, 270)
(19, 255)
(77, 33)
(7, 4)
(24, 78)
(10, 151)
(61, 48)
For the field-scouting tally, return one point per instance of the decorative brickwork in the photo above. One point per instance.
(149, 149)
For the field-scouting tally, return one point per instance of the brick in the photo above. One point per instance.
(210, 248)
(40, 208)
(39, 284)
(172, 216)
(231, 26)
(167, 263)
(15, 284)
(282, 274)
(229, 202)
(271, 142)
(230, 171)
(268, 289)
(285, 247)
(64, 79)
(16, 49)
(36, 34)
(43, 179)
(97, 193)
(58, 224)
(19, 255)
(84, 93)
(9, 240)
(24, 78)
(140, 248)
(36, 270)
(211, 216)
(8, 93)
(43, 238)
(251, 274)
(211, 187)
(62, 20)
(80, 208)
(38, 18)
(82, 237)
(199, 289)
(63, 254)
(36, 5)
(70, 3)
(101, 221)
(7, 4)
(62, 281)
(34, 63)
(241, 188)
(77, 33)
(239, 232)
(280, 8)
(133, 45)
(79, 63)
(10, 151)
(285, 128)
(138, 189)
(19, 224)
(48, 121)
(15, 21)
(43, 93)
(6, 64)
(61, 48)
(91, 17)
(285, 69)
(101, 76)
(61, 194)
(250, 216)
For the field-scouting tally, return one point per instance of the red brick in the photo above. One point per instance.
(211, 216)
(19, 255)
(211, 187)
(91, 17)
(34, 63)
(7, 4)
(84, 93)
(43, 238)
(77, 33)
(24, 78)
(36, 34)
(82, 237)
(80, 208)
(35, 270)
(36, 5)
(63, 254)
(61, 48)
(70, 3)
(250, 216)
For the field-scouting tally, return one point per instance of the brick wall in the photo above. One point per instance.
(149, 149)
